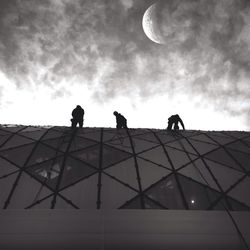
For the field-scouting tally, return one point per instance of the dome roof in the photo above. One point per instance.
(102, 168)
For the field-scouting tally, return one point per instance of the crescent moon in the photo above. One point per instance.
(149, 24)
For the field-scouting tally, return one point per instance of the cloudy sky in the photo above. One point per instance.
(56, 54)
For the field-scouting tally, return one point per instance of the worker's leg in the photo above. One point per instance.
(73, 123)
(81, 123)
(169, 126)
(176, 127)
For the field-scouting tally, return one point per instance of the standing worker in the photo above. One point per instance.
(77, 115)
(121, 121)
(175, 119)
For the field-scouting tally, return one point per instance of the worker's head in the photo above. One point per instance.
(78, 106)
(115, 113)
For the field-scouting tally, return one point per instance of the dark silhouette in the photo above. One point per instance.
(77, 115)
(175, 119)
(121, 121)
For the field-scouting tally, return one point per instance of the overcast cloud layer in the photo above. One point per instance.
(101, 43)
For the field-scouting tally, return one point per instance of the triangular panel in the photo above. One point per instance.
(198, 196)
(220, 172)
(6, 168)
(114, 194)
(222, 157)
(182, 145)
(167, 193)
(27, 191)
(150, 173)
(198, 172)
(156, 155)
(35, 135)
(18, 155)
(239, 146)
(75, 170)
(84, 193)
(179, 158)
(16, 141)
(242, 158)
(202, 147)
(241, 191)
(125, 171)
(6, 185)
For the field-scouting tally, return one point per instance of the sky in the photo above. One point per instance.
(56, 54)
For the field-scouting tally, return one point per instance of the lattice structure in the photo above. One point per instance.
(100, 168)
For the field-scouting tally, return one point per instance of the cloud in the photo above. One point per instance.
(101, 44)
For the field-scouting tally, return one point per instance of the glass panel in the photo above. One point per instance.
(59, 144)
(179, 158)
(3, 139)
(75, 170)
(6, 185)
(16, 141)
(53, 134)
(13, 129)
(147, 137)
(237, 134)
(197, 196)
(114, 194)
(140, 145)
(122, 144)
(79, 193)
(47, 172)
(151, 205)
(6, 167)
(89, 155)
(31, 129)
(239, 146)
(36, 135)
(235, 205)
(124, 171)
(221, 156)
(242, 158)
(81, 143)
(166, 137)
(96, 136)
(198, 172)
(150, 173)
(62, 204)
(27, 192)
(202, 147)
(157, 156)
(114, 135)
(3, 132)
(42, 153)
(135, 203)
(45, 204)
(111, 156)
(224, 175)
(241, 191)
(182, 145)
(221, 139)
(203, 138)
(18, 155)
(167, 193)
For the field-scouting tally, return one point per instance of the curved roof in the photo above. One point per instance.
(99, 168)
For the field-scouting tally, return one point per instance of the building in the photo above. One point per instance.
(99, 188)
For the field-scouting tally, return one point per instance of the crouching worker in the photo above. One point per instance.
(121, 121)
(175, 119)
(77, 115)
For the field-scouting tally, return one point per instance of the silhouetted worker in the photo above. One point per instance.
(121, 121)
(77, 115)
(175, 119)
